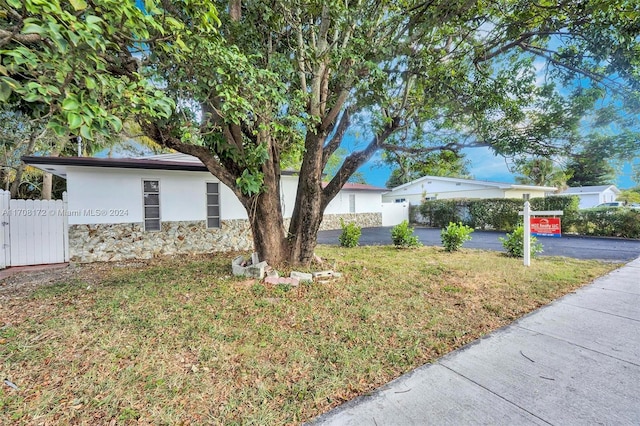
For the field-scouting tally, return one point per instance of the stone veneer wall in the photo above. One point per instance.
(114, 242)
(363, 220)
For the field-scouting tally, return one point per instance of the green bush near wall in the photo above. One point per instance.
(494, 213)
(502, 214)
(608, 222)
(439, 213)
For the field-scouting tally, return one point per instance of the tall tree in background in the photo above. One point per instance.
(635, 174)
(274, 80)
(630, 196)
(542, 172)
(591, 165)
(590, 171)
(407, 168)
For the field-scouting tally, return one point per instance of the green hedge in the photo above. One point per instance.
(607, 222)
(494, 213)
(439, 213)
(502, 214)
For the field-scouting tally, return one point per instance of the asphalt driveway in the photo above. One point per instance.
(610, 249)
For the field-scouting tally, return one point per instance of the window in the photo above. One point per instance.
(352, 203)
(213, 205)
(151, 190)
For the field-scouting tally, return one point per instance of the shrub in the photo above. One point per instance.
(609, 222)
(495, 213)
(350, 234)
(513, 243)
(455, 235)
(502, 214)
(439, 213)
(402, 236)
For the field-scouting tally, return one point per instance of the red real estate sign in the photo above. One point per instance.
(545, 226)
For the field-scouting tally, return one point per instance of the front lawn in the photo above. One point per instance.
(181, 341)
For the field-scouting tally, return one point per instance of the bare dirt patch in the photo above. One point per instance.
(24, 283)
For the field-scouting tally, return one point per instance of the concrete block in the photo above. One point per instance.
(256, 271)
(236, 266)
(322, 274)
(302, 276)
(294, 282)
(272, 272)
(254, 258)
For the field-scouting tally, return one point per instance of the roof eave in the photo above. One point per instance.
(120, 163)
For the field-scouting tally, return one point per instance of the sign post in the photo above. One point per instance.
(527, 233)
(528, 213)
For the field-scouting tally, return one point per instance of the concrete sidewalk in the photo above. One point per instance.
(573, 362)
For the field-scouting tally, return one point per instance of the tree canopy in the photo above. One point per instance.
(591, 164)
(249, 86)
(542, 172)
(590, 171)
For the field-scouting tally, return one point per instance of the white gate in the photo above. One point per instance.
(394, 213)
(33, 232)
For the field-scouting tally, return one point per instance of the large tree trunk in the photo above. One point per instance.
(312, 199)
(265, 212)
(267, 228)
(305, 224)
(308, 210)
(235, 10)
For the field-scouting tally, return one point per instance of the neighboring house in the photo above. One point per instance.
(444, 188)
(591, 196)
(131, 208)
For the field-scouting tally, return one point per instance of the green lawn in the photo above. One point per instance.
(181, 341)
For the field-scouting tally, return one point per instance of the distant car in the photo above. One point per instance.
(611, 204)
(635, 206)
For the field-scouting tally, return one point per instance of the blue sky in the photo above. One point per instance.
(484, 166)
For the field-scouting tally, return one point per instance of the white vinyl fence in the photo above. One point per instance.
(394, 213)
(33, 232)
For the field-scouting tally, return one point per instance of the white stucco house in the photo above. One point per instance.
(591, 196)
(129, 208)
(446, 188)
